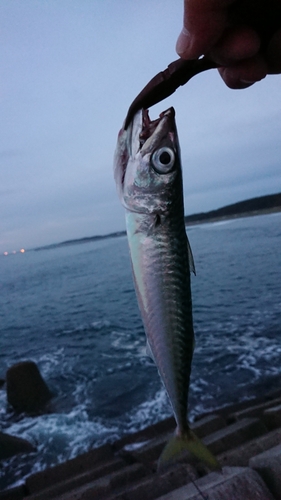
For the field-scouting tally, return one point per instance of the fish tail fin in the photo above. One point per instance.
(181, 443)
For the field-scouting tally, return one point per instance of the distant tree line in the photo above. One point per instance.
(261, 203)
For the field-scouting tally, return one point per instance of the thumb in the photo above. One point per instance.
(203, 24)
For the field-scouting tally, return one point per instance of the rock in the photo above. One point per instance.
(2, 383)
(234, 435)
(101, 488)
(70, 469)
(12, 445)
(255, 410)
(242, 454)
(16, 493)
(268, 465)
(233, 483)
(26, 389)
(64, 487)
(272, 417)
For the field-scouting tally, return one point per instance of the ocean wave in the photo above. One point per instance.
(149, 412)
(57, 437)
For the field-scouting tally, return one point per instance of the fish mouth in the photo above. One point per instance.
(144, 132)
(149, 126)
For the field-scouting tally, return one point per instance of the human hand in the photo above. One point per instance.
(243, 36)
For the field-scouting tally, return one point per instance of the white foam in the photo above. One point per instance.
(135, 446)
(98, 325)
(3, 403)
(60, 437)
(149, 412)
(49, 361)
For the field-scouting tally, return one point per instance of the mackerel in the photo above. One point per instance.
(148, 175)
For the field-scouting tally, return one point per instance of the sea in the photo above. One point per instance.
(73, 311)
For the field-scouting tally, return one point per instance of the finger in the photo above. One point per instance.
(237, 43)
(274, 53)
(204, 22)
(244, 73)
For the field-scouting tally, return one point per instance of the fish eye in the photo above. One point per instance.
(163, 160)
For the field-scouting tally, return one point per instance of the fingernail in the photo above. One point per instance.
(183, 42)
(247, 82)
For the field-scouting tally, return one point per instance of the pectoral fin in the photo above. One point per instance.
(190, 258)
(155, 222)
(149, 351)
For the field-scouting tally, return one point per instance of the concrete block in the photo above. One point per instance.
(234, 435)
(153, 431)
(146, 452)
(76, 481)
(233, 483)
(218, 442)
(150, 450)
(241, 455)
(66, 470)
(254, 410)
(16, 493)
(202, 427)
(272, 417)
(227, 411)
(157, 484)
(106, 485)
(268, 465)
(207, 425)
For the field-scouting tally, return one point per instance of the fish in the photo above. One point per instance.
(148, 175)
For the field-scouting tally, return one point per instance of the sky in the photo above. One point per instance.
(69, 71)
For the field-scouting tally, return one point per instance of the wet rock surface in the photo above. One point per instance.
(12, 445)
(26, 389)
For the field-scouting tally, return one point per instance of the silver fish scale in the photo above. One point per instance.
(163, 289)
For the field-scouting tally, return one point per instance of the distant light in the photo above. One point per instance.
(6, 253)
(22, 250)
(14, 251)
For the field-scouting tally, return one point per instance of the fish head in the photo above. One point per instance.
(147, 163)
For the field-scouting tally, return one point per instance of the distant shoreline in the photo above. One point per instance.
(261, 205)
(89, 239)
(247, 208)
(188, 223)
(234, 216)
